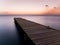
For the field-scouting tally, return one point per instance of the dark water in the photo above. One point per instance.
(8, 31)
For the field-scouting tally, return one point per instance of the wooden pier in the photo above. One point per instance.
(36, 34)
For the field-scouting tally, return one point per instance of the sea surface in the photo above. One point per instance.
(8, 31)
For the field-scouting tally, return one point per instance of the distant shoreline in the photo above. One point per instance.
(28, 15)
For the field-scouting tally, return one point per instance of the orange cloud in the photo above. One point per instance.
(55, 10)
(46, 10)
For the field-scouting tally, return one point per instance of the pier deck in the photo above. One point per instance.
(37, 33)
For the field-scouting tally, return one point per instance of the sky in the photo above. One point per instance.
(29, 6)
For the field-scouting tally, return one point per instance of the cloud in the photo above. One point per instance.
(54, 10)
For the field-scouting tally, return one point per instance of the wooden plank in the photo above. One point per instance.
(39, 34)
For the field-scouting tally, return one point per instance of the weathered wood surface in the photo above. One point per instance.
(39, 34)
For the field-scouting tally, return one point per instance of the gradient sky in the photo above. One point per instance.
(29, 6)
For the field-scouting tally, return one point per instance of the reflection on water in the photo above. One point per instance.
(52, 21)
(8, 31)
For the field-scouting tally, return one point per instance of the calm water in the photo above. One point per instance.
(52, 21)
(8, 31)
